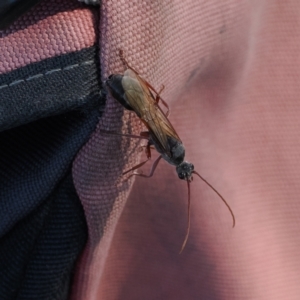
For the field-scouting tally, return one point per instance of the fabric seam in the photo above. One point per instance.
(49, 72)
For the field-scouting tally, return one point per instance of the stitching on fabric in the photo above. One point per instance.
(16, 82)
(36, 76)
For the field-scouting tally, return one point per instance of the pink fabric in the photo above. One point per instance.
(231, 72)
(68, 26)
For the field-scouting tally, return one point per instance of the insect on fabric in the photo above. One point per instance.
(137, 95)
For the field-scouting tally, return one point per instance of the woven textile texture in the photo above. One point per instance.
(49, 105)
(72, 227)
(230, 71)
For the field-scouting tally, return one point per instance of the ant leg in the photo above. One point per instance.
(144, 146)
(157, 98)
(121, 55)
(151, 171)
(125, 63)
(135, 167)
(148, 153)
(142, 136)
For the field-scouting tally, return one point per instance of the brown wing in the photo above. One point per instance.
(141, 100)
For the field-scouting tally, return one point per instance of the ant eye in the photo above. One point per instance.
(181, 176)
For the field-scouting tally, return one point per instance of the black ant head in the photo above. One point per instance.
(185, 170)
(114, 80)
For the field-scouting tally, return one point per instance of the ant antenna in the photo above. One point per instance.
(233, 218)
(189, 219)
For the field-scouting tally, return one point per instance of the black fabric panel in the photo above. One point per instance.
(49, 87)
(34, 158)
(10, 10)
(42, 224)
(38, 255)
